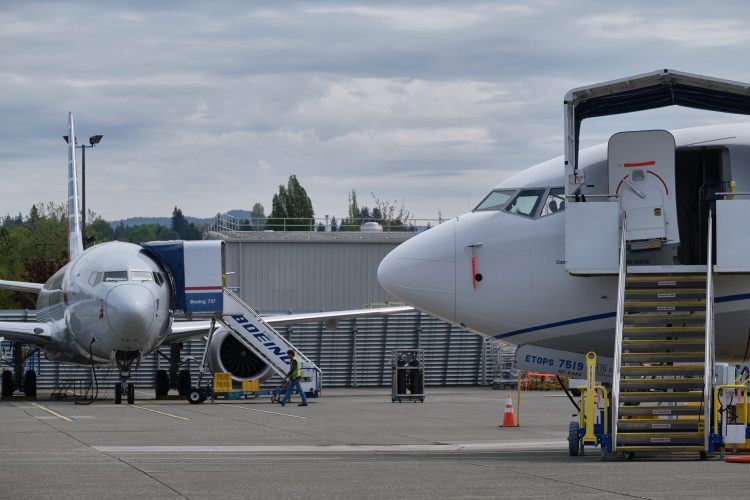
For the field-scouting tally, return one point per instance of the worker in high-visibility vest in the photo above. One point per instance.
(294, 376)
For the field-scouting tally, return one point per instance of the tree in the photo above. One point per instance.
(394, 217)
(99, 230)
(291, 208)
(352, 222)
(258, 218)
(185, 230)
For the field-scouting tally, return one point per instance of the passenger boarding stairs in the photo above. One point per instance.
(663, 361)
(249, 328)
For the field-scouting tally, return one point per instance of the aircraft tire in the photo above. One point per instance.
(162, 383)
(29, 383)
(196, 396)
(184, 383)
(118, 393)
(7, 385)
(573, 439)
(131, 393)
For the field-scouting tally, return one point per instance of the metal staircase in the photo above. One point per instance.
(663, 361)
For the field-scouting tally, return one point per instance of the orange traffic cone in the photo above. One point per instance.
(509, 418)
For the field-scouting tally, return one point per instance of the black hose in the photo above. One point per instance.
(96, 381)
(559, 381)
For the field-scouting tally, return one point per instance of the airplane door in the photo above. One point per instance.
(642, 173)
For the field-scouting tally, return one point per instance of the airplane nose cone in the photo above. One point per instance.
(422, 271)
(130, 313)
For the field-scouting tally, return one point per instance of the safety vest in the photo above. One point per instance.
(297, 373)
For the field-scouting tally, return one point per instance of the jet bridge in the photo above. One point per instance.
(196, 271)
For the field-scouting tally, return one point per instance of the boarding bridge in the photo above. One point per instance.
(196, 271)
(664, 240)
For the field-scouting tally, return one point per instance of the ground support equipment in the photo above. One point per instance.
(407, 373)
(593, 426)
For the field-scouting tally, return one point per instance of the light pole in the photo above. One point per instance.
(93, 141)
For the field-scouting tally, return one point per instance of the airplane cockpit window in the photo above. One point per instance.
(555, 202)
(141, 276)
(495, 200)
(526, 202)
(95, 278)
(115, 276)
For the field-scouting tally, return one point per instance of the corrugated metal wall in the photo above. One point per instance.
(306, 272)
(357, 353)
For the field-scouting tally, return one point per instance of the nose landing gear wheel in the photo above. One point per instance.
(131, 393)
(196, 396)
(118, 393)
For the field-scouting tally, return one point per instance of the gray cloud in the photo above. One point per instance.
(211, 105)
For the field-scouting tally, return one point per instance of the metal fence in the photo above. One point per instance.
(356, 353)
(228, 224)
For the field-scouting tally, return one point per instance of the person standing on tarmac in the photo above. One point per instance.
(294, 375)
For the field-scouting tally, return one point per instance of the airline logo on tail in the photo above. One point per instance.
(75, 239)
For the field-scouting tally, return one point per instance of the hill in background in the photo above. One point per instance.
(167, 221)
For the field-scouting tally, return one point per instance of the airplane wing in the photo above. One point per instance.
(29, 333)
(21, 286)
(185, 330)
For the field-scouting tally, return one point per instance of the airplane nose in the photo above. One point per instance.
(130, 313)
(422, 271)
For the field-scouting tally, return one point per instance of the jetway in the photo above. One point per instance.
(196, 272)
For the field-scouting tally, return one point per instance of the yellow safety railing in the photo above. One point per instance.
(743, 387)
(588, 409)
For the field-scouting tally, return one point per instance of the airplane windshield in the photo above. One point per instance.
(526, 202)
(115, 276)
(141, 276)
(555, 202)
(495, 200)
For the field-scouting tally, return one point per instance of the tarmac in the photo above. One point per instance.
(350, 443)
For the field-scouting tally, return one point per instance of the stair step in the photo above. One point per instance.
(660, 438)
(662, 449)
(661, 370)
(672, 294)
(660, 410)
(683, 384)
(659, 425)
(676, 318)
(667, 280)
(664, 306)
(656, 345)
(630, 331)
(658, 357)
(661, 397)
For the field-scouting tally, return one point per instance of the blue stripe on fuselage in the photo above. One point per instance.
(583, 319)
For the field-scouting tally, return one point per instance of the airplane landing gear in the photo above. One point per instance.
(125, 385)
(16, 379)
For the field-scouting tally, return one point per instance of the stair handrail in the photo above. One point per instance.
(618, 331)
(708, 361)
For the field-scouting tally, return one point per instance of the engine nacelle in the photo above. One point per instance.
(228, 355)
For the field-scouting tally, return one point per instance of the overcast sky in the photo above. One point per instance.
(209, 106)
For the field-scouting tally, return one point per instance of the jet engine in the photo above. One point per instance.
(229, 355)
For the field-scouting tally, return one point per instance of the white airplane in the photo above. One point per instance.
(523, 267)
(113, 304)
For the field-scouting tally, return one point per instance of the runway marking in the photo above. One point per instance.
(52, 412)
(159, 412)
(264, 411)
(336, 448)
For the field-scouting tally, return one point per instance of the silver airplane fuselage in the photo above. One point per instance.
(525, 295)
(110, 302)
